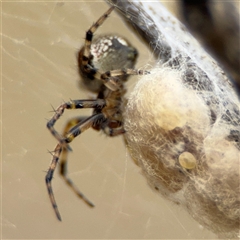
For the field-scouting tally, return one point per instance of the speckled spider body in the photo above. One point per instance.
(104, 66)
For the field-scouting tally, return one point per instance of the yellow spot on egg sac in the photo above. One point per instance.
(187, 160)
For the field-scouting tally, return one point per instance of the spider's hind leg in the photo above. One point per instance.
(63, 160)
(74, 131)
(73, 104)
(57, 151)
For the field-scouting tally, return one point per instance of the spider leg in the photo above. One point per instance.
(63, 161)
(49, 176)
(89, 36)
(72, 122)
(112, 132)
(121, 72)
(110, 79)
(74, 104)
(75, 131)
(95, 119)
(85, 56)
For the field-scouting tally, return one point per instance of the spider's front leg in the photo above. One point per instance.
(85, 56)
(74, 132)
(109, 59)
(77, 121)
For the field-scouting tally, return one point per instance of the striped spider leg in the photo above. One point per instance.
(116, 58)
(61, 147)
(85, 66)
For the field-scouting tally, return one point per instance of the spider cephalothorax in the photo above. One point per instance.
(104, 65)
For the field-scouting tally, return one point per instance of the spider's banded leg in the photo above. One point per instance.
(95, 119)
(48, 179)
(74, 104)
(120, 72)
(110, 79)
(89, 36)
(63, 161)
(72, 122)
(80, 127)
(112, 132)
(74, 132)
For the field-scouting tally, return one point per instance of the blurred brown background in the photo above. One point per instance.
(39, 45)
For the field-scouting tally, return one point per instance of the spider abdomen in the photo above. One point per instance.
(107, 53)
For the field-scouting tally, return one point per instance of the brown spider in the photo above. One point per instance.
(116, 58)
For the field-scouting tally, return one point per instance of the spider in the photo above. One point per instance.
(104, 66)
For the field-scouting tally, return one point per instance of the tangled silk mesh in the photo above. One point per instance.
(182, 128)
